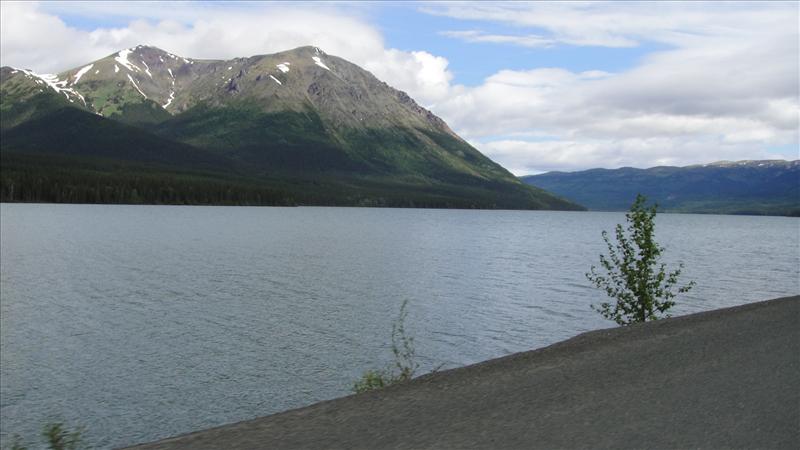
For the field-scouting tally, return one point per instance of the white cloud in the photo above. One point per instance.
(724, 85)
(528, 40)
(611, 120)
(422, 74)
(31, 35)
(529, 157)
(34, 40)
(626, 24)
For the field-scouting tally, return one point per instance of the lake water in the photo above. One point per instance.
(141, 322)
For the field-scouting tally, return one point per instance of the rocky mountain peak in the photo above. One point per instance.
(150, 84)
(147, 83)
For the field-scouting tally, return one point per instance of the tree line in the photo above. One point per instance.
(23, 185)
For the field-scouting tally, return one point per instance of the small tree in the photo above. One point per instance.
(633, 275)
(405, 357)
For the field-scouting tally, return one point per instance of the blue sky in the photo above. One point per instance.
(406, 26)
(471, 63)
(535, 86)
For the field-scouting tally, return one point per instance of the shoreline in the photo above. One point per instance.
(667, 212)
(722, 378)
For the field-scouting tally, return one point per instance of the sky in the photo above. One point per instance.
(535, 86)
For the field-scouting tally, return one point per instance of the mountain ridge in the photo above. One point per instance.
(730, 187)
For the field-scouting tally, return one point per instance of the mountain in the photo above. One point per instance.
(744, 187)
(311, 126)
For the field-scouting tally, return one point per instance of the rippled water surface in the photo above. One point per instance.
(142, 322)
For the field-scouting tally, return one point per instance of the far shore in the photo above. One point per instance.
(298, 205)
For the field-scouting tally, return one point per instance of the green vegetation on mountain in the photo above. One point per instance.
(770, 187)
(278, 142)
(74, 132)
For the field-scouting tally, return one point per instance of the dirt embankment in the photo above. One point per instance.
(719, 379)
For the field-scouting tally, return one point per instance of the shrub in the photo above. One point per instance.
(405, 364)
(372, 379)
(60, 438)
(633, 275)
(57, 436)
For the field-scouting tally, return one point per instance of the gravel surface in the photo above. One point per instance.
(720, 379)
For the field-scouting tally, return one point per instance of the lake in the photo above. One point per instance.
(142, 322)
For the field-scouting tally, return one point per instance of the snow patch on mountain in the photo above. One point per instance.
(122, 58)
(56, 84)
(319, 62)
(81, 72)
(171, 98)
(147, 70)
(136, 86)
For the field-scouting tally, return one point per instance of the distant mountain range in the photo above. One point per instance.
(743, 187)
(297, 127)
